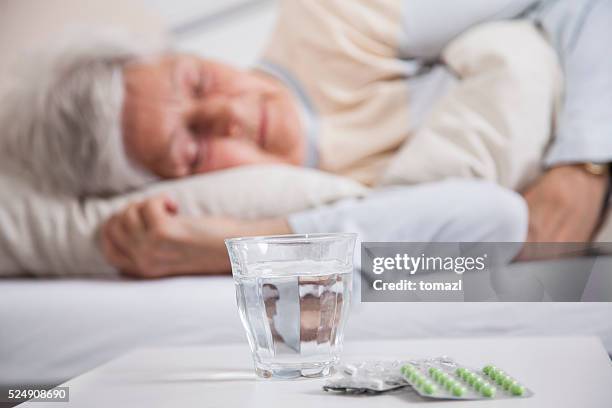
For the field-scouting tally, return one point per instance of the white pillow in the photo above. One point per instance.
(44, 234)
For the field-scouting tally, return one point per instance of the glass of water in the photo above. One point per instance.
(294, 295)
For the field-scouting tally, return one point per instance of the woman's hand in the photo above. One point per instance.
(151, 239)
(565, 205)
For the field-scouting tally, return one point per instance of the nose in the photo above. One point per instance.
(225, 116)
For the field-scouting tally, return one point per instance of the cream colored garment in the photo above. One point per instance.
(346, 60)
(46, 234)
(495, 123)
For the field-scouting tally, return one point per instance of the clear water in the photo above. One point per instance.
(294, 314)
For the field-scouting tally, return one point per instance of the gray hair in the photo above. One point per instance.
(61, 115)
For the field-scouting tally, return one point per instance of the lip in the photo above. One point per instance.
(263, 124)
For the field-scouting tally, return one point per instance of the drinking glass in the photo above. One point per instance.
(293, 294)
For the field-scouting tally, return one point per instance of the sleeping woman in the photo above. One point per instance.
(340, 87)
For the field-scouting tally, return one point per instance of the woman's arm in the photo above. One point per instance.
(580, 31)
(458, 210)
(150, 239)
(566, 203)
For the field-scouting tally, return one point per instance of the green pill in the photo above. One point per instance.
(451, 384)
(432, 370)
(487, 391)
(478, 384)
(429, 388)
(419, 381)
(459, 372)
(507, 383)
(472, 379)
(517, 389)
(458, 391)
(488, 368)
(500, 379)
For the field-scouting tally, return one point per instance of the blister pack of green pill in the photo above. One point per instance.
(435, 378)
(445, 379)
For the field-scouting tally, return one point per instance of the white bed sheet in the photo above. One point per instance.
(51, 330)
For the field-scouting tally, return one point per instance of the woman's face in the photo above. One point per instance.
(184, 115)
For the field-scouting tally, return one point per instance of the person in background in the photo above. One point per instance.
(176, 115)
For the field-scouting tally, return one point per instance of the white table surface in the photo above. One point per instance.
(562, 371)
